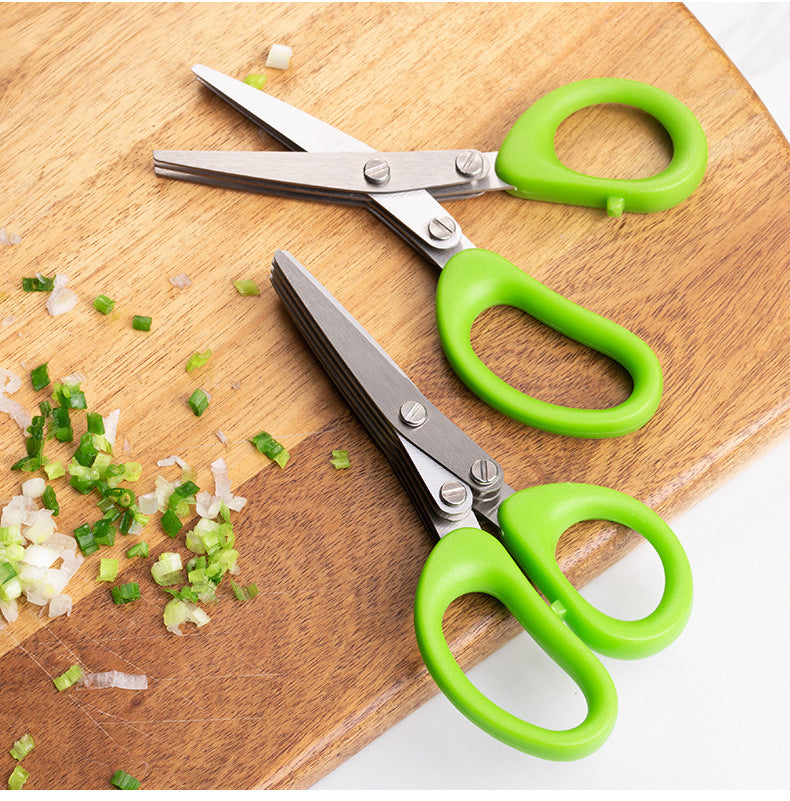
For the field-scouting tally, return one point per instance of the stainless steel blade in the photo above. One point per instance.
(415, 215)
(327, 174)
(388, 403)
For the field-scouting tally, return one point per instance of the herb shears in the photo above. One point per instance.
(404, 189)
(455, 485)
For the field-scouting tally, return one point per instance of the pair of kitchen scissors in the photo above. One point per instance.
(453, 484)
(402, 189)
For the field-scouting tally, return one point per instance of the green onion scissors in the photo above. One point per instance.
(402, 190)
(453, 484)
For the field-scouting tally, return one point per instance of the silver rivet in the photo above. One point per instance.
(453, 493)
(441, 227)
(376, 171)
(470, 163)
(484, 472)
(412, 413)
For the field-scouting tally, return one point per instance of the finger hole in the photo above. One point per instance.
(610, 140)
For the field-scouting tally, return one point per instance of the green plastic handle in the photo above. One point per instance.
(469, 560)
(534, 519)
(475, 280)
(528, 161)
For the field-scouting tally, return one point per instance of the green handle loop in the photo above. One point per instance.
(534, 519)
(528, 161)
(474, 280)
(469, 560)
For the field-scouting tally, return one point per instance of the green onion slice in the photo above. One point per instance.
(269, 447)
(123, 781)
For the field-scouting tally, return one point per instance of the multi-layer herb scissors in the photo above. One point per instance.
(401, 189)
(453, 483)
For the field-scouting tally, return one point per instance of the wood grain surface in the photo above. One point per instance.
(275, 692)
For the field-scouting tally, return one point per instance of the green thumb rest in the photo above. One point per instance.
(532, 522)
(528, 161)
(469, 560)
(475, 280)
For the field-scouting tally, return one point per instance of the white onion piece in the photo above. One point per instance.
(61, 299)
(111, 426)
(40, 556)
(9, 382)
(279, 56)
(148, 504)
(34, 487)
(181, 281)
(9, 610)
(171, 460)
(114, 678)
(60, 605)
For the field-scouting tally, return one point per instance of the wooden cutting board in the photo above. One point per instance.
(277, 691)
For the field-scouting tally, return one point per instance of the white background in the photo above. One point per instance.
(711, 711)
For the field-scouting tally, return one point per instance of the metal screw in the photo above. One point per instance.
(470, 163)
(413, 413)
(376, 171)
(453, 493)
(484, 472)
(441, 227)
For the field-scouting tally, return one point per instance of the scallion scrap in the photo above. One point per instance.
(123, 781)
(247, 287)
(108, 570)
(124, 593)
(103, 304)
(340, 460)
(39, 376)
(269, 446)
(39, 283)
(255, 80)
(18, 777)
(198, 360)
(22, 747)
(141, 323)
(198, 402)
(68, 678)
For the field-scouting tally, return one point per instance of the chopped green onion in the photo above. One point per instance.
(140, 323)
(85, 539)
(198, 360)
(340, 460)
(198, 402)
(124, 593)
(108, 570)
(123, 781)
(39, 283)
(269, 446)
(18, 777)
(104, 532)
(68, 679)
(95, 423)
(171, 523)
(7, 572)
(50, 501)
(256, 80)
(140, 549)
(167, 570)
(22, 747)
(39, 376)
(244, 593)
(54, 470)
(247, 287)
(103, 304)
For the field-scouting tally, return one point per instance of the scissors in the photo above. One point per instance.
(454, 484)
(401, 189)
